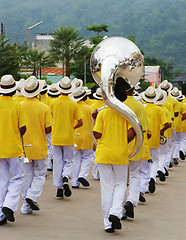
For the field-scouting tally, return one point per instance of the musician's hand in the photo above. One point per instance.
(94, 114)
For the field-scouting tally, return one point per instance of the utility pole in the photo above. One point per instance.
(2, 33)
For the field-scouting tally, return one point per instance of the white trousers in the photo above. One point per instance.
(183, 142)
(162, 156)
(177, 145)
(170, 150)
(134, 183)
(145, 177)
(49, 150)
(10, 187)
(155, 162)
(62, 164)
(33, 181)
(81, 164)
(113, 181)
(95, 171)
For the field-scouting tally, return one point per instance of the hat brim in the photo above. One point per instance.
(45, 89)
(35, 93)
(96, 96)
(168, 89)
(149, 100)
(54, 93)
(77, 99)
(4, 91)
(163, 100)
(18, 92)
(180, 94)
(68, 91)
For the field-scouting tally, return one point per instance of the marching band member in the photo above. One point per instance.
(157, 115)
(18, 96)
(65, 112)
(113, 132)
(177, 151)
(40, 122)
(13, 126)
(135, 162)
(163, 148)
(52, 93)
(98, 103)
(84, 150)
(45, 99)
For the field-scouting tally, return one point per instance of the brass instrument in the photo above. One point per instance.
(118, 57)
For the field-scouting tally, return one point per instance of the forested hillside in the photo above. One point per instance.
(159, 26)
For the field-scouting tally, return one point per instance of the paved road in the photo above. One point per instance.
(162, 217)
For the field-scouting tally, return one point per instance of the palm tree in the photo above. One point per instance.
(35, 60)
(65, 46)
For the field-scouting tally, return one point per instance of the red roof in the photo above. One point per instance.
(52, 71)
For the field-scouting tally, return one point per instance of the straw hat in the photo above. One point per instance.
(65, 86)
(77, 83)
(53, 90)
(181, 98)
(175, 93)
(150, 95)
(78, 94)
(45, 87)
(162, 97)
(166, 85)
(32, 87)
(7, 84)
(98, 94)
(19, 85)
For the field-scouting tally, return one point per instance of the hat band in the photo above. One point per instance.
(8, 86)
(98, 95)
(31, 91)
(163, 88)
(44, 87)
(53, 91)
(65, 88)
(160, 99)
(150, 96)
(80, 95)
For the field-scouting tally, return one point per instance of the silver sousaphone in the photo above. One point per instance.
(118, 57)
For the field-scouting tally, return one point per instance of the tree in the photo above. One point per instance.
(98, 29)
(81, 65)
(35, 60)
(65, 46)
(10, 58)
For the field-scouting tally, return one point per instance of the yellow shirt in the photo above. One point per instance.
(139, 110)
(45, 99)
(168, 132)
(65, 112)
(147, 150)
(174, 103)
(98, 104)
(157, 117)
(12, 118)
(89, 101)
(183, 127)
(84, 140)
(39, 118)
(19, 98)
(112, 147)
(179, 123)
